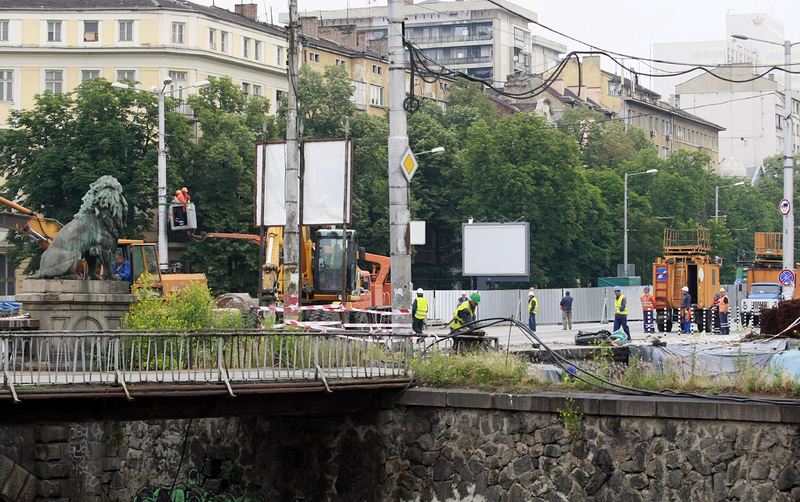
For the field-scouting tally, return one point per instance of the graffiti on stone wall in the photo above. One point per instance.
(83, 463)
(189, 492)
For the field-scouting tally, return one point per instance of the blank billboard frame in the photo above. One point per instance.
(496, 249)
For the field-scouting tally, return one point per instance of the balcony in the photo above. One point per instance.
(447, 40)
(466, 60)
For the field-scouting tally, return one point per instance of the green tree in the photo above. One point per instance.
(323, 101)
(54, 150)
(220, 178)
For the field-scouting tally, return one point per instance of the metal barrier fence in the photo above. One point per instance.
(114, 358)
(588, 305)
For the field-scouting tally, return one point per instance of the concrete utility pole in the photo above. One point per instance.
(788, 169)
(291, 236)
(399, 211)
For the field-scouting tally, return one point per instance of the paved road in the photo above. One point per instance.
(554, 336)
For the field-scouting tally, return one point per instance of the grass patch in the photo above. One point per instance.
(474, 369)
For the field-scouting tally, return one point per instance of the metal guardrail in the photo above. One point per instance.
(173, 357)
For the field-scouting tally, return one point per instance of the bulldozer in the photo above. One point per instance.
(685, 263)
(142, 256)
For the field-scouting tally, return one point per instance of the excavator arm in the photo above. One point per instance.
(41, 229)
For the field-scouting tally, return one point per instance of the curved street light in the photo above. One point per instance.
(716, 198)
(162, 161)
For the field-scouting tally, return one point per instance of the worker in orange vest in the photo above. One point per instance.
(724, 310)
(648, 308)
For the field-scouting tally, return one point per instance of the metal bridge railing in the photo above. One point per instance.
(119, 358)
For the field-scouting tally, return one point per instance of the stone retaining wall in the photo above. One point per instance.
(433, 445)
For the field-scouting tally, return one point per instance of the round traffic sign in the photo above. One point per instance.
(785, 207)
(786, 277)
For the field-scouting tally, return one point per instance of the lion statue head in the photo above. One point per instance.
(104, 199)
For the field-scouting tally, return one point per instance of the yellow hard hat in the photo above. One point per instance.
(721, 290)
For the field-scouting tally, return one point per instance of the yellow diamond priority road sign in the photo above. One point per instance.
(408, 164)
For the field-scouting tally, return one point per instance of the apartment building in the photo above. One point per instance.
(669, 127)
(752, 112)
(365, 63)
(56, 44)
(475, 36)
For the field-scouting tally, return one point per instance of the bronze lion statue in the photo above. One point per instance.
(92, 234)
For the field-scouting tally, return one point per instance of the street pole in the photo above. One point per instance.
(291, 268)
(788, 169)
(625, 239)
(716, 205)
(399, 212)
(163, 259)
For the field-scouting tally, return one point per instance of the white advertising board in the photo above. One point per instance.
(327, 183)
(417, 233)
(496, 249)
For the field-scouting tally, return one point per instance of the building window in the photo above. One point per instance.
(341, 62)
(313, 57)
(665, 152)
(443, 86)
(256, 90)
(377, 69)
(279, 59)
(519, 37)
(359, 96)
(279, 99)
(129, 74)
(3, 31)
(212, 41)
(246, 47)
(778, 122)
(6, 85)
(90, 31)
(178, 32)
(89, 74)
(8, 278)
(442, 105)
(126, 31)
(377, 95)
(223, 41)
(54, 31)
(246, 90)
(53, 81)
(416, 81)
(179, 83)
(257, 51)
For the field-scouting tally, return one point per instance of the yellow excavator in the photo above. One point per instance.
(142, 256)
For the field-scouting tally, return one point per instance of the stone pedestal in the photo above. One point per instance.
(61, 305)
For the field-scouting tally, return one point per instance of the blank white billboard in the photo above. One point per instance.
(327, 183)
(496, 249)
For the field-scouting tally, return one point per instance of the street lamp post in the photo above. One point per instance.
(788, 156)
(162, 163)
(716, 198)
(625, 238)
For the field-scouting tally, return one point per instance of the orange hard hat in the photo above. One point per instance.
(184, 189)
(177, 192)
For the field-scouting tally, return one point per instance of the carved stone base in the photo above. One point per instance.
(61, 305)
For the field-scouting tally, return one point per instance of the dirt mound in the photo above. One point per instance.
(777, 319)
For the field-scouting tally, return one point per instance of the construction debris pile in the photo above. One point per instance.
(778, 319)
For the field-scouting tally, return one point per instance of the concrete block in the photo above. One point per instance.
(588, 404)
(52, 434)
(790, 414)
(6, 466)
(469, 399)
(46, 452)
(14, 483)
(111, 464)
(748, 412)
(48, 488)
(517, 402)
(71, 488)
(28, 491)
(423, 397)
(24, 434)
(699, 409)
(52, 470)
(627, 406)
(27, 451)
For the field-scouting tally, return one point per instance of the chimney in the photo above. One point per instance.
(379, 46)
(248, 10)
(558, 86)
(309, 27)
(361, 40)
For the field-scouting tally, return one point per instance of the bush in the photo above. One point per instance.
(189, 308)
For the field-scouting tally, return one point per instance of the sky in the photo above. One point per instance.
(625, 26)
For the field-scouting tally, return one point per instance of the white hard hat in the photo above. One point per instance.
(530, 293)
(419, 291)
(463, 293)
(685, 288)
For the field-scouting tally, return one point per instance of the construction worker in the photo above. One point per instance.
(621, 312)
(686, 311)
(465, 313)
(186, 197)
(724, 310)
(179, 213)
(648, 308)
(463, 297)
(533, 309)
(566, 312)
(419, 310)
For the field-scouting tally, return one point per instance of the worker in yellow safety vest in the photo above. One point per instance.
(465, 313)
(533, 309)
(419, 310)
(724, 310)
(621, 312)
